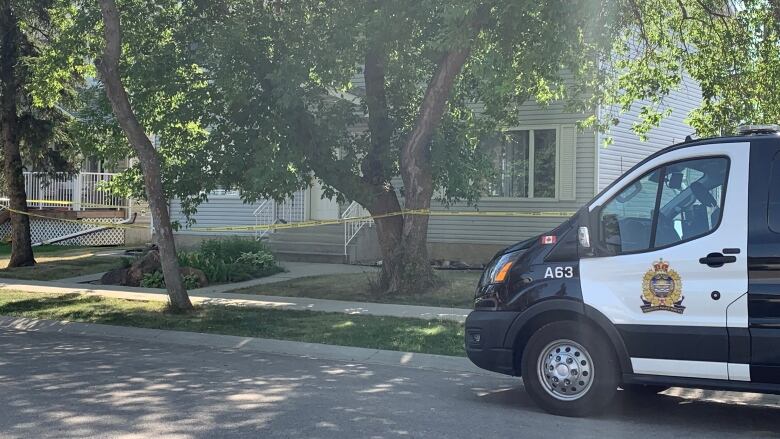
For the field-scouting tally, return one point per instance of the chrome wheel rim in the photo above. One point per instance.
(565, 370)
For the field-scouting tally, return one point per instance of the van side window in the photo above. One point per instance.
(674, 203)
(627, 220)
(774, 195)
(691, 200)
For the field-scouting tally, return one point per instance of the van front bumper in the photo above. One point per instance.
(485, 340)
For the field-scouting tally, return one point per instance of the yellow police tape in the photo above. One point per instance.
(291, 225)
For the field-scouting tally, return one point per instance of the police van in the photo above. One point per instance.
(669, 277)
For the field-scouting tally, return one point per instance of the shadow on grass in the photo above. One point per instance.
(63, 268)
(375, 332)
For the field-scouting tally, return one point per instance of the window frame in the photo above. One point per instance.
(774, 173)
(659, 191)
(531, 162)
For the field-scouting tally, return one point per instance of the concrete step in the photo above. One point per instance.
(325, 229)
(325, 238)
(326, 258)
(306, 247)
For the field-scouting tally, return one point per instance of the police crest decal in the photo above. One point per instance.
(662, 289)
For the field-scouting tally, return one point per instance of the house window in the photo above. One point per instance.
(525, 163)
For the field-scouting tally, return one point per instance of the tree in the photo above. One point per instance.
(31, 120)
(427, 66)
(108, 65)
(148, 87)
(732, 49)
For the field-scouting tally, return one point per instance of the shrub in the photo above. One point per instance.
(231, 260)
(153, 280)
(190, 282)
(230, 249)
(157, 280)
(257, 259)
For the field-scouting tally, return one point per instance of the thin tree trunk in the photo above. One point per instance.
(148, 156)
(21, 242)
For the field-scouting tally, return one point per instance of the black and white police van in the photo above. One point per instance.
(668, 277)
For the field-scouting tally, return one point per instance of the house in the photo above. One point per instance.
(554, 168)
(75, 209)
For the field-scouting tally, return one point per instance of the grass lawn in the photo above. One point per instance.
(59, 262)
(456, 289)
(391, 333)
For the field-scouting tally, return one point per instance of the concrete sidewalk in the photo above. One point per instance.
(293, 270)
(247, 344)
(203, 296)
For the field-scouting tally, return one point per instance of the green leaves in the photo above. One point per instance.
(731, 51)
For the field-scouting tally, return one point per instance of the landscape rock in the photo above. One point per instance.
(196, 273)
(117, 276)
(148, 264)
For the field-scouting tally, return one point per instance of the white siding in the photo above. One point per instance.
(627, 150)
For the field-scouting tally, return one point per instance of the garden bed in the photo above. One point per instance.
(217, 261)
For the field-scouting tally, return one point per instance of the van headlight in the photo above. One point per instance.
(498, 270)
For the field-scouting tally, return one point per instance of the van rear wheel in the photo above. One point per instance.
(569, 369)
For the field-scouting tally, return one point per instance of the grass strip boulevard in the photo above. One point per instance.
(455, 289)
(390, 333)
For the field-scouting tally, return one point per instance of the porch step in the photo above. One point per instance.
(327, 229)
(309, 244)
(307, 247)
(325, 258)
(320, 238)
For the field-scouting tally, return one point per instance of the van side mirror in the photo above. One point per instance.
(675, 181)
(583, 235)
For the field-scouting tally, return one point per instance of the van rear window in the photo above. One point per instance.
(774, 195)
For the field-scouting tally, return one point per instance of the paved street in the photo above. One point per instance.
(66, 386)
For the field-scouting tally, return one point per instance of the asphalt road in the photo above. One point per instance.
(65, 386)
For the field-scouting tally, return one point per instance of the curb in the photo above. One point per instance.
(249, 344)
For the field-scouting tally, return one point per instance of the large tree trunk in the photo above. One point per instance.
(147, 155)
(21, 242)
(410, 269)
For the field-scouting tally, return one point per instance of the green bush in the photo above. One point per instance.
(257, 259)
(153, 280)
(157, 280)
(231, 260)
(230, 249)
(190, 282)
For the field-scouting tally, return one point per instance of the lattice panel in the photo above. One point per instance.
(45, 229)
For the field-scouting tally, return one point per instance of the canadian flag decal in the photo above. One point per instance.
(549, 239)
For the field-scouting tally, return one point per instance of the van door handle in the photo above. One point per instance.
(717, 260)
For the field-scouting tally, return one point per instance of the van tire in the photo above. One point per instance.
(586, 360)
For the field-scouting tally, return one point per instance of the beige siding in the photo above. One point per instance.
(218, 211)
(627, 150)
(507, 230)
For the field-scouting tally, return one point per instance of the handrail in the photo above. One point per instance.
(264, 209)
(354, 218)
(291, 210)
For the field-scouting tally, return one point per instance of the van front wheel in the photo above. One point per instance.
(569, 369)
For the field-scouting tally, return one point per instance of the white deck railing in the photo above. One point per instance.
(81, 191)
(354, 218)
